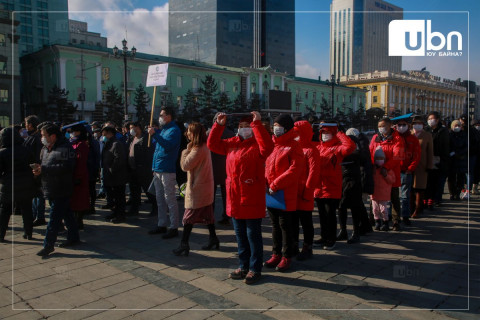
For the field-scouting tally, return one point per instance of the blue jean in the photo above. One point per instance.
(250, 243)
(60, 210)
(405, 190)
(38, 208)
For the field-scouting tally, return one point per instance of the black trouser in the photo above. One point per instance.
(433, 180)
(282, 232)
(305, 218)
(109, 195)
(357, 208)
(118, 199)
(93, 192)
(223, 191)
(328, 219)
(456, 182)
(25, 207)
(395, 199)
(137, 184)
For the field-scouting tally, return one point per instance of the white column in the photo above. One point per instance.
(63, 74)
(272, 79)
(99, 82)
(248, 86)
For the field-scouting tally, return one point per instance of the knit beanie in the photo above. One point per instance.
(285, 121)
(353, 132)
(379, 153)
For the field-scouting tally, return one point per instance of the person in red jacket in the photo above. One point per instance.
(408, 166)
(393, 147)
(333, 147)
(283, 169)
(246, 155)
(306, 186)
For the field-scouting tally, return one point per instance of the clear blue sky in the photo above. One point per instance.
(312, 31)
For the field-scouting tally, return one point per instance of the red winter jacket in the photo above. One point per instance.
(331, 156)
(311, 171)
(394, 148)
(245, 170)
(284, 167)
(413, 152)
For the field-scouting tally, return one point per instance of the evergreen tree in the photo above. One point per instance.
(326, 110)
(224, 103)
(63, 110)
(141, 102)
(208, 100)
(190, 107)
(239, 104)
(114, 105)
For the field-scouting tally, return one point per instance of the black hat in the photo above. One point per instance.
(285, 121)
(418, 119)
(109, 129)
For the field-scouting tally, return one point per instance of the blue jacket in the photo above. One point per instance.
(167, 146)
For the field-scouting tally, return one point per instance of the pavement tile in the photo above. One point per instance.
(246, 314)
(39, 291)
(144, 297)
(175, 286)
(246, 300)
(107, 281)
(280, 314)
(120, 287)
(26, 315)
(210, 301)
(182, 275)
(216, 287)
(193, 315)
(167, 309)
(84, 311)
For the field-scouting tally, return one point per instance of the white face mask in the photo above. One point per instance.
(418, 127)
(402, 129)
(45, 142)
(132, 132)
(477, 127)
(161, 121)
(278, 131)
(297, 139)
(245, 133)
(326, 137)
(96, 135)
(382, 130)
(457, 129)
(432, 122)
(379, 162)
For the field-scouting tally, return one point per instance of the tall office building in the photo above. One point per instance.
(359, 36)
(234, 33)
(39, 25)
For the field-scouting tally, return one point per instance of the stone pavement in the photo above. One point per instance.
(120, 272)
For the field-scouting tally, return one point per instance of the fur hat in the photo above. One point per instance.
(285, 121)
(353, 132)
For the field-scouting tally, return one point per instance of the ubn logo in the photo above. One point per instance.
(408, 38)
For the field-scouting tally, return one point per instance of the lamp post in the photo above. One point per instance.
(332, 82)
(422, 95)
(125, 54)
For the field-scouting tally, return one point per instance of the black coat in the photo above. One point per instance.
(143, 156)
(22, 175)
(114, 163)
(366, 167)
(34, 144)
(58, 164)
(441, 146)
(459, 146)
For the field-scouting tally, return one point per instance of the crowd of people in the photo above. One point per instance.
(403, 169)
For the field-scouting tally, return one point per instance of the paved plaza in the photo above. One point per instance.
(119, 271)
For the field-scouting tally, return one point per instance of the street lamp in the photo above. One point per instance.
(333, 83)
(124, 53)
(422, 95)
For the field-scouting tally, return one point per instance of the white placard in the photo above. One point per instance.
(157, 75)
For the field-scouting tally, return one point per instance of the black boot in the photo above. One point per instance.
(354, 238)
(306, 253)
(378, 224)
(342, 235)
(183, 248)
(213, 240)
(79, 219)
(385, 226)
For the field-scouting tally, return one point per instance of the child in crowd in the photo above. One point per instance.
(383, 181)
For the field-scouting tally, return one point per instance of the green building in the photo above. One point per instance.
(264, 88)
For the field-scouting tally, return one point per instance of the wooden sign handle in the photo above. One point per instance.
(151, 114)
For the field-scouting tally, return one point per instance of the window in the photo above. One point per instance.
(306, 94)
(277, 88)
(2, 40)
(235, 87)
(374, 88)
(350, 99)
(253, 88)
(179, 102)
(222, 86)
(375, 98)
(3, 95)
(297, 93)
(194, 83)
(323, 95)
(179, 82)
(74, 40)
(343, 100)
(337, 97)
(104, 95)
(314, 96)
(3, 67)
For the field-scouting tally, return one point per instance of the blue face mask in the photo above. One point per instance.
(67, 135)
(103, 139)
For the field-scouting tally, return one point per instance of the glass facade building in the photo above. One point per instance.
(359, 36)
(234, 33)
(39, 25)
